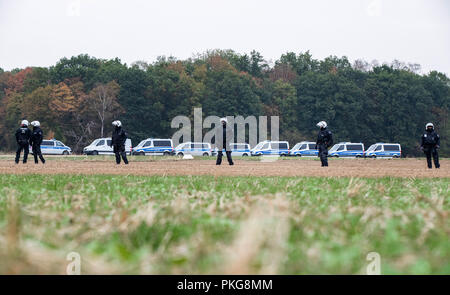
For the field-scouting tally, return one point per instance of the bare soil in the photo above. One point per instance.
(283, 167)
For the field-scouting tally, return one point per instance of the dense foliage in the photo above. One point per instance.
(79, 96)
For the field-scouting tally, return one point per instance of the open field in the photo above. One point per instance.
(253, 166)
(168, 216)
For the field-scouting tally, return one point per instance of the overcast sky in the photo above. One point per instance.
(39, 33)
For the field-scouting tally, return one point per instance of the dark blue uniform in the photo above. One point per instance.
(35, 141)
(118, 138)
(23, 135)
(430, 144)
(226, 137)
(324, 141)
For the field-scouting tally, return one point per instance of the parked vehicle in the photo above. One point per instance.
(193, 148)
(101, 146)
(347, 149)
(53, 147)
(268, 147)
(240, 149)
(384, 150)
(304, 149)
(154, 146)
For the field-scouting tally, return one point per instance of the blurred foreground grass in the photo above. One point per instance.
(202, 224)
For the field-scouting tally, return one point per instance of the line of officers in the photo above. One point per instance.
(430, 142)
(26, 138)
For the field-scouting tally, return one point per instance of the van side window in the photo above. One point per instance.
(312, 146)
(354, 147)
(59, 143)
(47, 142)
(391, 147)
(162, 143)
(148, 143)
(108, 142)
(265, 146)
(378, 148)
(101, 142)
(282, 146)
(302, 147)
(340, 148)
(205, 146)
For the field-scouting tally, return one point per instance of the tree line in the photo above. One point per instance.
(76, 99)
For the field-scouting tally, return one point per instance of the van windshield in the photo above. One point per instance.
(141, 143)
(297, 146)
(335, 147)
(95, 142)
(372, 147)
(259, 146)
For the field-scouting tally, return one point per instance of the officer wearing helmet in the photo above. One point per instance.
(23, 135)
(119, 136)
(430, 143)
(223, 142)
(35, 141)
(324, 141)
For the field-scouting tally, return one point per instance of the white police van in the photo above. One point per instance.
(240, 149)
(347, 149)
(154, 146)
(54, 147)
(101, 146)
(304, 149)
(237, 149)
(268, 147)
(193, 148)
(384, 150)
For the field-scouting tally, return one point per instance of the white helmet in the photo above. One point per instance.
(322, 124)
(222, 120)
(24, 122)
(35, 124)
(429, 125)
(117, 123)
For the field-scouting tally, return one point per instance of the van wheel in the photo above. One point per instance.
(65, 153)
(205, 154)
(166, 154)
(358, 156)
(245, 155)
(180, 154)
(298, 155)
(94, 153)
(395, 157)
(141, 154)
(374, 157)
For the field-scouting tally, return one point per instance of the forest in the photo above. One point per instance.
(77, 98)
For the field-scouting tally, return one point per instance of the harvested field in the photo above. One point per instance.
(243, 167)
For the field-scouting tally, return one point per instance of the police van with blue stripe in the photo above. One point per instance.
(54, 147)
(384, 150)
(193, 148)
(304, 149)
(268, 147)
(347, 149)
(237, 149)
(154, 146)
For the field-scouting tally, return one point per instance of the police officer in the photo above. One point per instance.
(430, 144)
(224, 142)
(23, 135)
(35, 141)
(324, 141)
(119, 136)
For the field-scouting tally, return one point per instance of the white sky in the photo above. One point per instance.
(40, 32)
